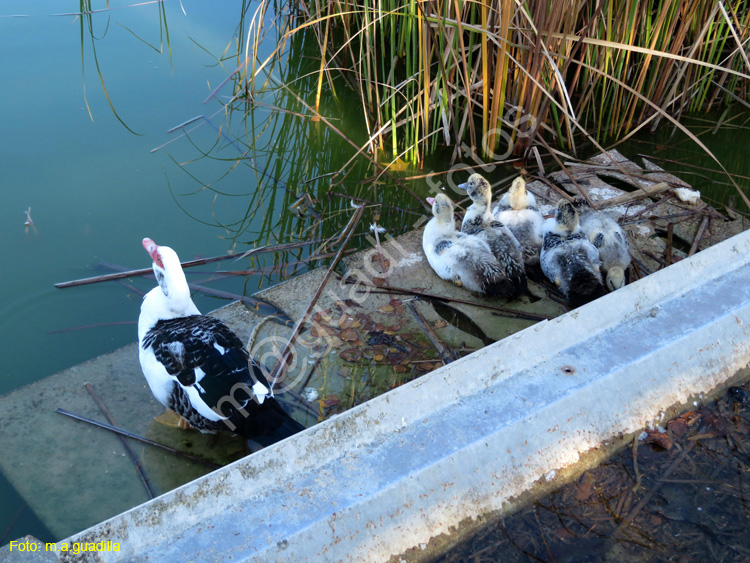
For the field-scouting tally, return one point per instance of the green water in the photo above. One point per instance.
(95, 188)
(725, 133)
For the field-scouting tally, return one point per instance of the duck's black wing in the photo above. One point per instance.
(212, 367)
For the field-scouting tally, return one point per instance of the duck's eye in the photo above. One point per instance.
(158, 261)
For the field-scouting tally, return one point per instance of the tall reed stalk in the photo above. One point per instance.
(494, 76)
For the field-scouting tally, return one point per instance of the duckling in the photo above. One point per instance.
(609, 238)
(479, 221)
(463, 259)
(517, 210)
(568, 259)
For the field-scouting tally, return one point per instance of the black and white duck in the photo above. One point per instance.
(568, 259)
(518, 211)
(465, 260)
(196, 366)
(609, 239)
(479, 221)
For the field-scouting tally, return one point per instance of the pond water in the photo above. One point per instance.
(87, 99)
(725, 133)
(93, 187)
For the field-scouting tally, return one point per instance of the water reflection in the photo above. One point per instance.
(272, 172)
(94, 188)
(241, 180)
(725, 133)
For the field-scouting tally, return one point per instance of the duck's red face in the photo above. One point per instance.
(153, 250)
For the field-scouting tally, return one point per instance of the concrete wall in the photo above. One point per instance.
(466, 439)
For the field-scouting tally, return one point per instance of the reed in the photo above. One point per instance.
(493, 77)
(88, 34)
(275, 158)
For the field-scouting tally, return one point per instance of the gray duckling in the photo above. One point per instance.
(465, 260)
(609, 239)
(479, 221)
(568, 259)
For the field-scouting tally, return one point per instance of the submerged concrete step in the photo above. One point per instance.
(465, 440)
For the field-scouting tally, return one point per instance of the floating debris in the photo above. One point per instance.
(311, 394)
(29, 223)
(688, 196)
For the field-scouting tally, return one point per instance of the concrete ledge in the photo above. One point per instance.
(466, 439)
(27, 549)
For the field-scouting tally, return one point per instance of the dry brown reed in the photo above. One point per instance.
(496, 78)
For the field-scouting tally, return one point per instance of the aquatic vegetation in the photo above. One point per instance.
(86, 24)
(434, 66)
(501, 79)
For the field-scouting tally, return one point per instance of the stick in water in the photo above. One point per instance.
(138, 438)
(130, 452)
(198, 262)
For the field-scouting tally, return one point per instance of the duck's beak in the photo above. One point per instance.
(153, 250)
(431, 200)
(463, 186)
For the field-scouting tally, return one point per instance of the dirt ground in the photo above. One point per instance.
(680, 493)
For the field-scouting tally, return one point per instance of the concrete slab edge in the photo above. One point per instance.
(234, 508)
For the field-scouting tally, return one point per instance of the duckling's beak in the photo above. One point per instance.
(464, 186)
(431, 200)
